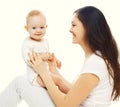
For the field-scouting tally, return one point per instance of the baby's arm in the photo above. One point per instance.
(49, 57)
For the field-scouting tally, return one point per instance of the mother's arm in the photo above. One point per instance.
(53, 64)
(58, 79)
(76, 94)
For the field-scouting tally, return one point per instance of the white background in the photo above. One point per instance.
(59, 14)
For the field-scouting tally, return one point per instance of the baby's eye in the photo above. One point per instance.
(33, 27)
(42, 27)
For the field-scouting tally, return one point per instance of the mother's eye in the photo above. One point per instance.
(73, 25)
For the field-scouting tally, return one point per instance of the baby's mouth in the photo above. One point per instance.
(38, 34)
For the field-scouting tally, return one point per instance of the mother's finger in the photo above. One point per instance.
(31, 58)
(30, 63)
(34, 55)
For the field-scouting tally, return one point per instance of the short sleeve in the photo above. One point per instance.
(96, 66)
(25, 50)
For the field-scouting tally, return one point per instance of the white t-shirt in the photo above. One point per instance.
(37, 46)
(101, 94)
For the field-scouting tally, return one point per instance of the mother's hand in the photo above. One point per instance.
(36, 62)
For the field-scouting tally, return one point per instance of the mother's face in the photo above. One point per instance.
(78, 31)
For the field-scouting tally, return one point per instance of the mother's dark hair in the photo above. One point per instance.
(99, 38)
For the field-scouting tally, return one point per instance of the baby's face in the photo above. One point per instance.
(36, 27)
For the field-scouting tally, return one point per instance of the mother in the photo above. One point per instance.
(99, 80)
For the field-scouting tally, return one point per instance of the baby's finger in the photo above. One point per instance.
(51, 57)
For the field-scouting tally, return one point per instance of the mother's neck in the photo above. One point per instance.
(88, 52)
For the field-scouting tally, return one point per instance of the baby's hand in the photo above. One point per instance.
(46, 56)
(50, 57)
(58, 62)
(53, 62)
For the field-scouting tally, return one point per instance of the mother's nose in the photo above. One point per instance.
(71, 30)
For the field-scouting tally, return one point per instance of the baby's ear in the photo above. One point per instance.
(26, 27)
(46, 26)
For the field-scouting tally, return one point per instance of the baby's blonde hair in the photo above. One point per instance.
(34, 13)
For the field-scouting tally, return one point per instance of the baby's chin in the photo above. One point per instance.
(36, 39)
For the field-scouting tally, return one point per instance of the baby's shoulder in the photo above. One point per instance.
(27, 41)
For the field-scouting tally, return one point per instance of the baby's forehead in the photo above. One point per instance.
(37, 16)
(36, 19)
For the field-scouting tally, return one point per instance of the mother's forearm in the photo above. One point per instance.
(63, 84)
